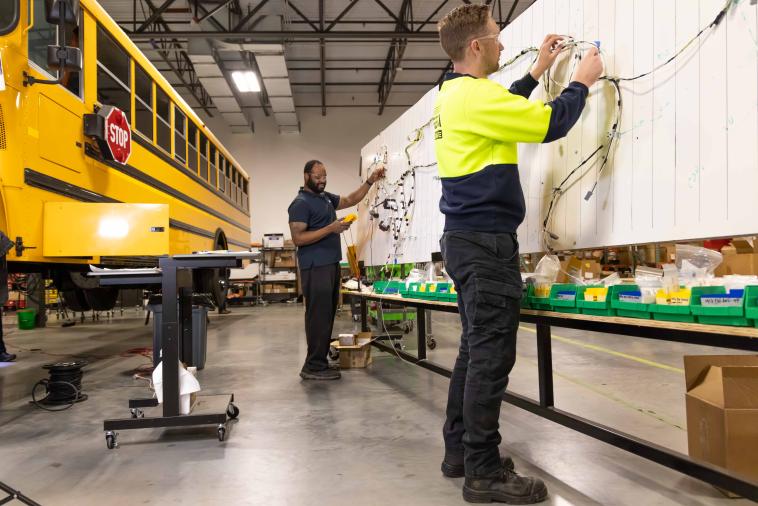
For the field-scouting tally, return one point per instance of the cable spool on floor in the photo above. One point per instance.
(63, 388)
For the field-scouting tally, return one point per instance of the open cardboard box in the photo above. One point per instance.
(739, 258)
(357, 355)
(722, 411)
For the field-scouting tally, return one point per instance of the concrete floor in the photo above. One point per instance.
(371, 438)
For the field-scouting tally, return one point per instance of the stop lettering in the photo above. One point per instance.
(118, 136)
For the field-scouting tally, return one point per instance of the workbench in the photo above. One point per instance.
(738, 338)
(174, 276)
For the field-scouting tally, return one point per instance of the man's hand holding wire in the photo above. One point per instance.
(377, 174)
(549, 50)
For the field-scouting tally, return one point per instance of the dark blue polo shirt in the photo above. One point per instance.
(317, 210)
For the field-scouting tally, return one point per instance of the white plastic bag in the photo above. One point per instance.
(188, 385)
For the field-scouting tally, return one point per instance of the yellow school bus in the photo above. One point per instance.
(46, 158)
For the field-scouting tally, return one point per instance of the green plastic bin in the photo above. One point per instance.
(733, 316)
(751, 304)
(563, 306)
(26, 318)
(594, 308)
(538, 303)
(669, 313)
(628, 309)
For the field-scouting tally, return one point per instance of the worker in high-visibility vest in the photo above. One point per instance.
(477, 125)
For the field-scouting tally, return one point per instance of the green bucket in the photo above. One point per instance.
(26, 318)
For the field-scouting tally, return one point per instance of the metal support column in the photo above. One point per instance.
(421, 327)
(170, 332)
(545, 365)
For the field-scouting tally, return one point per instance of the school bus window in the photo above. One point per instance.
(228, 186)
(192, 141)
(163, 120)
(112, 74)
(213, 165)
(245, 198)
(221, 178)
(44, 34)
(220, 171)
(180, 140)
(235, 174)
(203, 156)
(8, 15)
(143, 102)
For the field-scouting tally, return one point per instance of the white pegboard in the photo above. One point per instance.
(686, 162)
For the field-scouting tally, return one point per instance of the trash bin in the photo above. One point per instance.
(194, 357)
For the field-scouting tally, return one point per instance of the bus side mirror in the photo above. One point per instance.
(64, 58)
(60, 12)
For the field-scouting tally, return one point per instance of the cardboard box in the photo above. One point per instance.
(573, 269)
(357, 355)
(739, 258)
(285, 259)
(722, 411)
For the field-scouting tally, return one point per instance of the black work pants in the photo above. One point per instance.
(485, 271)
(321, 290)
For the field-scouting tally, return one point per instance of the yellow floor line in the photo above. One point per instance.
(599, 391)
(601, 349)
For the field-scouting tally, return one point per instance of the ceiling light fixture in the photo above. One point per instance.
(246, 81)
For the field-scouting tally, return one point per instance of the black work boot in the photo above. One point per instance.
(504, 486)
(7, 357)
(326, 374)
(452, 465)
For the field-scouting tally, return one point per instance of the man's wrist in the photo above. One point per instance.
(368, 182)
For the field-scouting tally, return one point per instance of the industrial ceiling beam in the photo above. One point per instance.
(434, 13)
(302, 16)
(394, 55)
(339, 16)
(397, 19)
(213, 11)
(268, 36)
(156, 14)
(322, 57)
(247, 17)
(184, 70)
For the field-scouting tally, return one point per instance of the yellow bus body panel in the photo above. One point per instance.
(105, 229)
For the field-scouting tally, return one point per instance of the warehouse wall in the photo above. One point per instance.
(275, 162)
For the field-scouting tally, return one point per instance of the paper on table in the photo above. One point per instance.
(104, 271)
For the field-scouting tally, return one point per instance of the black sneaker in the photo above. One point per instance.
(334, 366)
(505, 486)
(326, 374)
(7, 357)
(452, 465)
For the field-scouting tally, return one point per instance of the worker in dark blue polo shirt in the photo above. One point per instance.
(316, 232)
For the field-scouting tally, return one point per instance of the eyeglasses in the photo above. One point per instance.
(491, 36)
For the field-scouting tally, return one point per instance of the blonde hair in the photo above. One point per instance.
(460, 26)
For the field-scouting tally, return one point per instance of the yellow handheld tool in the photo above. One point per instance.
(350, 218)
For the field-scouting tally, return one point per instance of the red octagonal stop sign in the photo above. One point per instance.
(118, 136)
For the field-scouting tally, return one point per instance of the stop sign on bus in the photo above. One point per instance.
(118, 136)
(109, 127)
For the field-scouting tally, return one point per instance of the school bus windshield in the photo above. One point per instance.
(8, 15)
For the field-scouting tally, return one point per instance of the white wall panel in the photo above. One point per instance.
(685, 161)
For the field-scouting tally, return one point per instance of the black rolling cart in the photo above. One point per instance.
(174, 274)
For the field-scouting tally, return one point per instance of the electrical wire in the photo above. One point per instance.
(605, 148)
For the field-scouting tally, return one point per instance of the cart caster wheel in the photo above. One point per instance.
(334, 353)
(432, 344)
(110, 440)
(221, 432)
(137, 413)
(232, 411)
